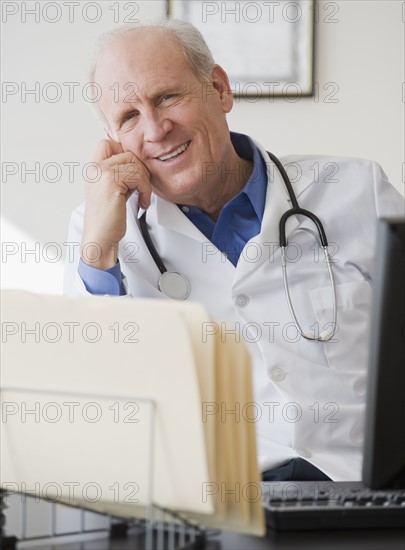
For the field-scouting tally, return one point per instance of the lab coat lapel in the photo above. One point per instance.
(182, 247)
(169, 216)
(278, 200)
(266, 243)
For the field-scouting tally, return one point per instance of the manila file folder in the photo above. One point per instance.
(117, 404)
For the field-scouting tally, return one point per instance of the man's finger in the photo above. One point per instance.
(106, 148)
(144, 200)
(132, 176)
(128, 157)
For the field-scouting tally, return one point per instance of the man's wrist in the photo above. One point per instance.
(99, 255)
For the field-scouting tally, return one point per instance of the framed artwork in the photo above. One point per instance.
(267, 48)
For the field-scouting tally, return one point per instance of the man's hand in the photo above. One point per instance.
(106, 197)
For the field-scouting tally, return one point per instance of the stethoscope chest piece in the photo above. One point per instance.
(174, 285)
(171, 283)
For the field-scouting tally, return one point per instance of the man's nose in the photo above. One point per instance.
(156, 126)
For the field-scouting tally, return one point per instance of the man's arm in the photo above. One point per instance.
(116, 176)
(120, 174)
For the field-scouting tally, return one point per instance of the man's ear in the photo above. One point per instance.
(221, 84)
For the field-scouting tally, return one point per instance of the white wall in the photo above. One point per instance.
(360, 60)
(360, 57)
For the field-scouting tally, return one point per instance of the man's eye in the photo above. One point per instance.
(128, 120)
(129, 116)
(168, 98)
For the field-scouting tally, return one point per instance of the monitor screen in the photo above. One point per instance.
(384, 445)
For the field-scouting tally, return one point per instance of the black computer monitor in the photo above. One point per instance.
(384, 445)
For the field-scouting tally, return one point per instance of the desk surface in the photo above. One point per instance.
(373, 539)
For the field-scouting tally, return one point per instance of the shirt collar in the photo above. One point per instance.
(256, 186)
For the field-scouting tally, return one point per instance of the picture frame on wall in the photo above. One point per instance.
(267, 48)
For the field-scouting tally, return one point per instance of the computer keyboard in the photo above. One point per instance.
(296, 505)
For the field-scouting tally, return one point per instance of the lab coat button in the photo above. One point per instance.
(277, 374)
(304, 453)
(242, 300)
(360, 386)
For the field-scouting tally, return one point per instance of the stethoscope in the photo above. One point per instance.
(176, 286)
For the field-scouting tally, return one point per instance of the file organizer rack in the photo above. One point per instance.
(163, 529)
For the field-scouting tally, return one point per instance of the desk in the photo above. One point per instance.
(392, 539)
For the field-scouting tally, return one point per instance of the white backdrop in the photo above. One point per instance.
(49, 130)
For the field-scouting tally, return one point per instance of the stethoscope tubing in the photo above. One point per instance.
(175, 285)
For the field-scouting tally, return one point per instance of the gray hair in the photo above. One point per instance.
(190, 40)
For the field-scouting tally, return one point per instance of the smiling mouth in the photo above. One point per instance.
(176, 152)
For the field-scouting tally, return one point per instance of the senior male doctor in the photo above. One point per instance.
(213, 202)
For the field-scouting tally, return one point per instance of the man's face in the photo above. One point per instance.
(160, 111)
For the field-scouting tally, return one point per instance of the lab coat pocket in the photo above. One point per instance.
(348, 349)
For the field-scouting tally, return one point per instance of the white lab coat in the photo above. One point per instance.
(309, 396)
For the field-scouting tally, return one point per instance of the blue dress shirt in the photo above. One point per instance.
(239, 221)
